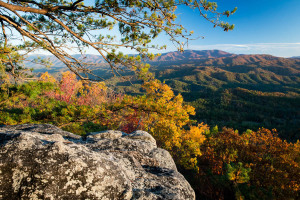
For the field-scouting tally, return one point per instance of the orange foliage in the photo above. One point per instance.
(274, 163)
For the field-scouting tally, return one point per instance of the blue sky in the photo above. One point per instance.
(261, 26)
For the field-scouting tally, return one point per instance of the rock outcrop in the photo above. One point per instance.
(45, 162)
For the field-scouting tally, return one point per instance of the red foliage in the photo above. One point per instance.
(132, 122)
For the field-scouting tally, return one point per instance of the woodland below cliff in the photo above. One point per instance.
(219, 163)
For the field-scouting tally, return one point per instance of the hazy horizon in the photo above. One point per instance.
(163, 52)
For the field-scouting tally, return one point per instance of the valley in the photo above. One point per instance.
(238, 91)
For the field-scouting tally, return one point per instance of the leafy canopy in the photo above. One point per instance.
(218, 164)
(58, 25)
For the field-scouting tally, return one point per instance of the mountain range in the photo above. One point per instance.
(209, 68)
(203, 57)
(233, 90)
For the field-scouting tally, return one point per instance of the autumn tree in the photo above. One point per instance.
(252, 165)
(58, 25)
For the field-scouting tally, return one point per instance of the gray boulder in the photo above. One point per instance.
(44, 162)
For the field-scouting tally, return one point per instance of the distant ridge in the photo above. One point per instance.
(196, 57)
(88, 58)
(192, 55)
(228, 61)
(295, 57)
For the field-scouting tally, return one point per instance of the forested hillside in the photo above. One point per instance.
(238, 91)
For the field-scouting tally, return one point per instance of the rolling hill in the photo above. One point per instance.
(238, 91)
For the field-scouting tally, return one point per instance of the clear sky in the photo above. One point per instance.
(261, 26)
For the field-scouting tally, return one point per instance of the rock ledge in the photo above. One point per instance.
(45, 162)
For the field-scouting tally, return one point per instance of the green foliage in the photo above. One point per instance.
(237, 173)
(11, 65)
(56, 26)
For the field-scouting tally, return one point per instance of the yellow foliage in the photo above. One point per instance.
(196, 133)
(191, 142)
(164, 115)
(46, 77)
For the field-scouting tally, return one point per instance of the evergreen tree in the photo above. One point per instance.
(55, 25)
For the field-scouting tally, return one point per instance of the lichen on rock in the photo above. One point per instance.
(45, 162)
